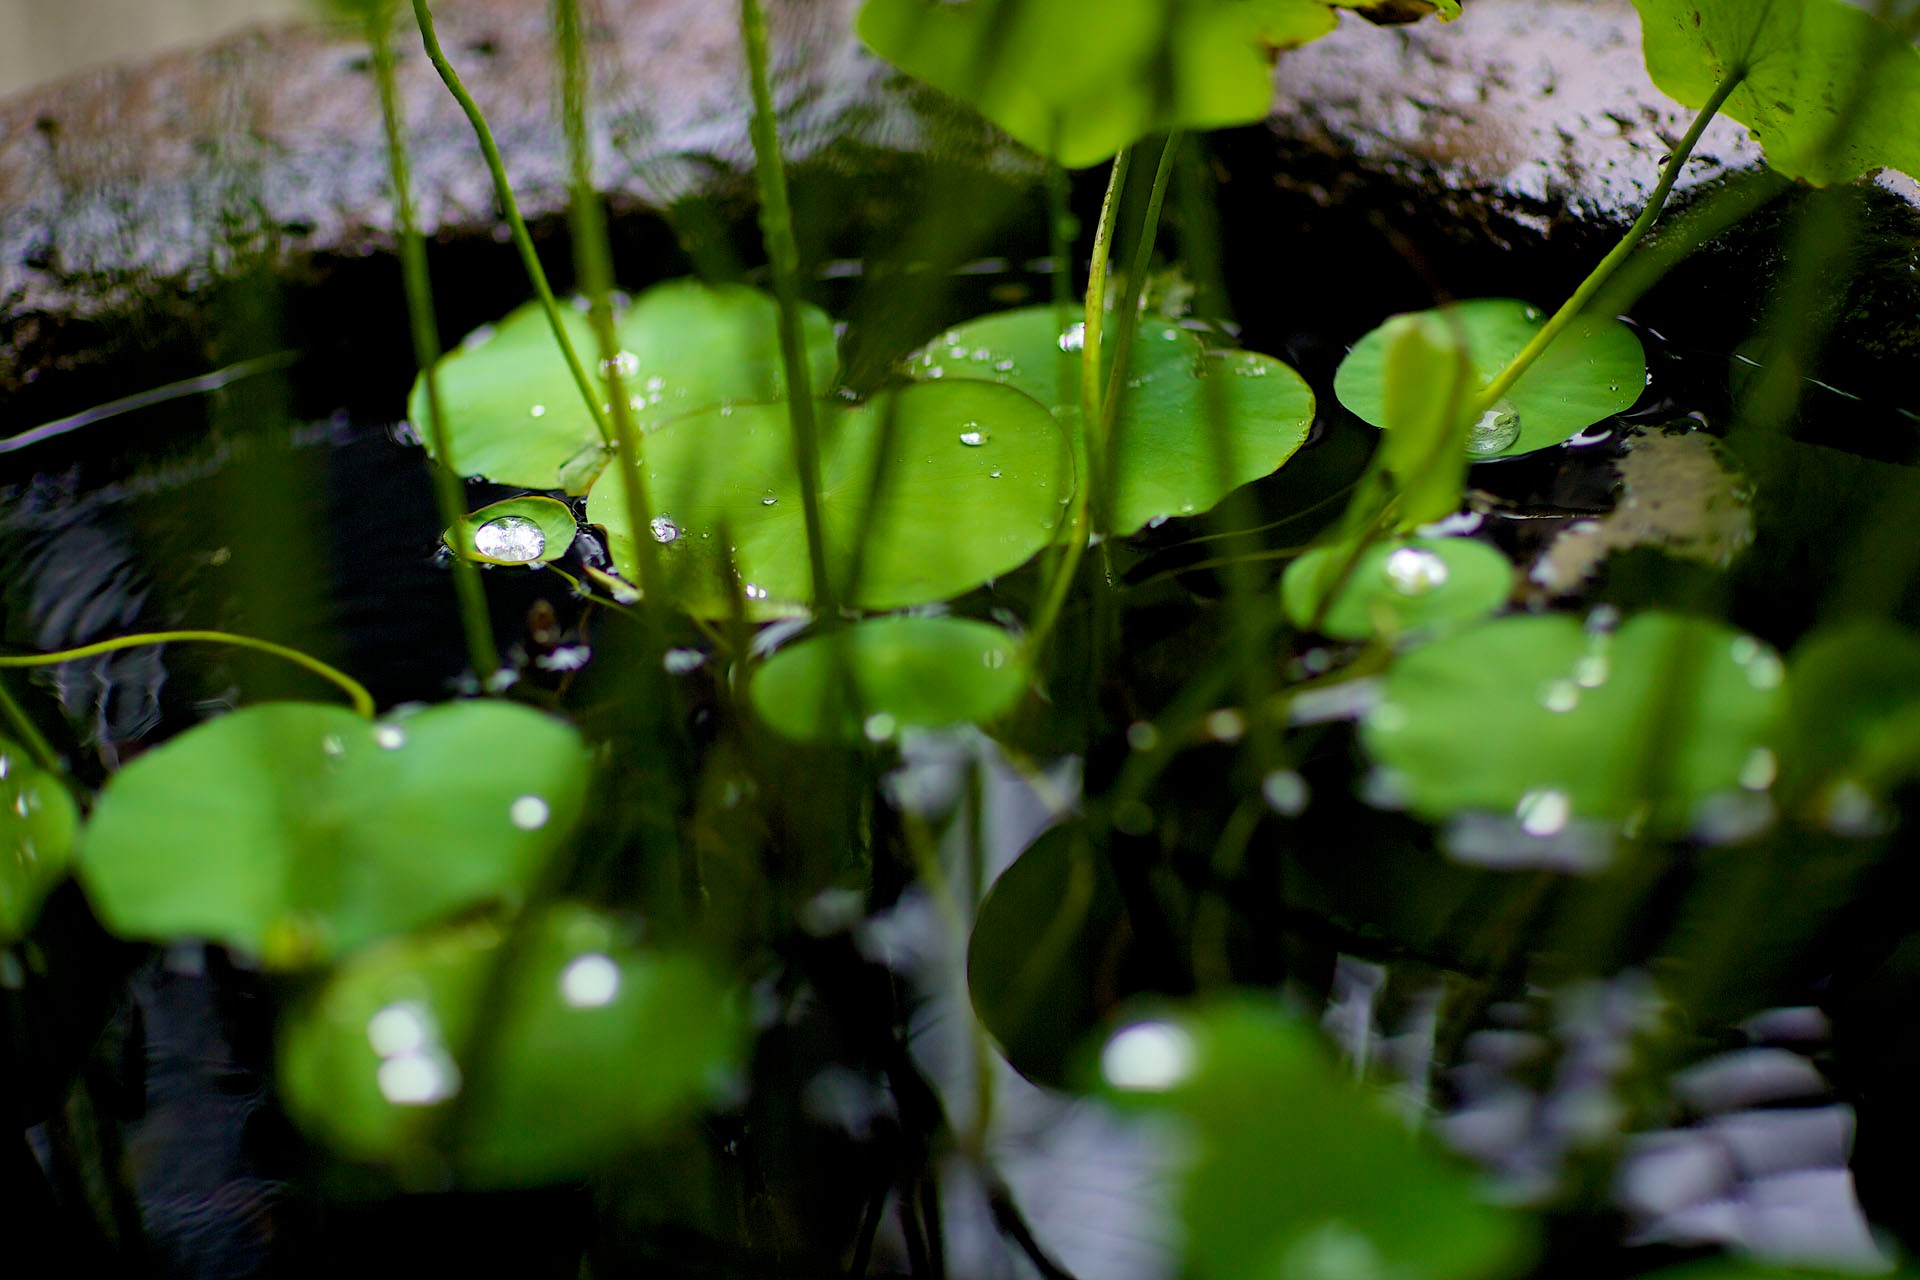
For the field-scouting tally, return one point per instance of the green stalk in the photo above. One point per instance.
(1134, 285)
(503, 190)
(467, 587)
(1090, 413)
(1573, 306)
(28, 734)
(783, 256)
(356, 692)
(593, 259)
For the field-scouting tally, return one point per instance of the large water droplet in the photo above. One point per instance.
(390, 737)
(767, 499)
(515, 539)
(664, 529)
(1414, 571)
(973, 437)
(538, 411)
(1075, 337)
(1497, 428)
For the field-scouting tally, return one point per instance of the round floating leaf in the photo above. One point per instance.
(597, 1046)
(1046, 942)
(514, 415)
(1803, 61)
(524, 530)
(299, 831)
(1418, 584)
(906, 673)
(38, 826)
(1594, 369)
(1853, 707)
(1079, 79)
(1535, 717)
(1166, 460)
(1294, 1169)
(974, 482)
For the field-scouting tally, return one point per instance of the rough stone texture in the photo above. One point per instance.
(1528, 125)
(126, 185)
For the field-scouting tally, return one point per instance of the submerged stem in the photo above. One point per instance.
(467, 587)
(522, 240)
(783, 256)
(362, 700)
(1573, 306)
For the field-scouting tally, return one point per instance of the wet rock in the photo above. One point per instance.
(129, 189)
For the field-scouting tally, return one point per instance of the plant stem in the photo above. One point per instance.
(363, 703)
(1127, 313)
(28, 733)
(1572, 307)
(523, 241)
(467, 587)
(594, 265)
(783, 256)
(1092, 403)
(1092, 483)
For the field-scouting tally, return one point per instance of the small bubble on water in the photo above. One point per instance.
(1226, 725)
(973, 437)
(1285, 792)
(664, 529)
(514, 539)
(1497, 428)
(1414, 571)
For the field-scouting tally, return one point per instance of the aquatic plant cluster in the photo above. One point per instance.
(555, 930)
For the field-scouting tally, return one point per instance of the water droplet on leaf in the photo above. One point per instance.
(973, 437)
(664, 529)
(529, 813)
(1414, 571)
(515, 539)
(1497, 428)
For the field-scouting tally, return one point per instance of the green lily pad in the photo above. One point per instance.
(1853, 707)
(1294, 1169)
(598, 1046)
(523, 530)
(1535, 717)
(1046, 941)
(906, 673)
(1803, 61)
(1165, 462)
(38, 827)
(299, 831)
(1413, 585)
(1594, 369)
(976, 481)
(514, 415)
(1079, 79)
